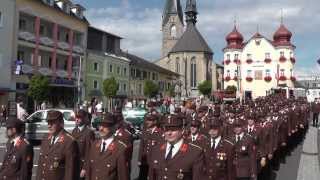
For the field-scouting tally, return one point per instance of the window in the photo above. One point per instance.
(249, 56)
(124, 87)
(228, 73)
(281, 53)
(291, 54)
(95, 67)
(177, 65)
(42, 30)
(1, 19)
(267, 55)
(249, 73)
(235, 73)
(258, 74)
(125, 71)
(118, 70)
(22, 24)
(193, 71)
(236, 56)
(153, 76)
(95, 84)
(20, 55)
(110, 68)
(268, 72)
(228, 56)
(173, 31)
(281, 72)
(291, 72)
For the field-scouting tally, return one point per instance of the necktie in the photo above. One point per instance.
(169, 156)
(250, 130)
(10, 147)
(53, 139)
(103, 146)
(193, 138)
(213, 143)
(238, 138)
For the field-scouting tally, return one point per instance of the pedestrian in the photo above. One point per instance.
(195, 136)
(59, 154)
(219, 153)
(84, 137)
(245, 161)
(18, 160)
(3, 115)
(175, 158)
(107, 155)
(316, 111)
(151, 136)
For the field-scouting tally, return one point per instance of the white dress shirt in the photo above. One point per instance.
(175, 148)
(107, 141)
(240, 135)
(194, 137)
(216, 142)
(250, 128)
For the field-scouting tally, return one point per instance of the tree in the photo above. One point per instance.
(38, 89)
(171, 91)
(151, 89)
(205, 88)
(110, 88)
(232, 89)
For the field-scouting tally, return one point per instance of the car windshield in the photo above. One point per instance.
(68, 116)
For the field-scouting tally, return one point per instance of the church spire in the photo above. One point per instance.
(191, 12)
(172, 7)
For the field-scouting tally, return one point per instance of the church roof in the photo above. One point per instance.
(172, 7)
(191, 41)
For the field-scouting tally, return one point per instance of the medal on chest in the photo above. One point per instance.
(180, 175)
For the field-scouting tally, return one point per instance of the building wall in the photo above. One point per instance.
(7, 47)
(258, 86)
(103, 72)
(168, 41)
(203, 66)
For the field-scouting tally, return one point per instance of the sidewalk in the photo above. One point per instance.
(309, 162)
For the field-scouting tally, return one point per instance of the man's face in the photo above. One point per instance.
(214, 132)
(104, 131)
(11, 132)
(250, 122)
(173, 135)
(194, 130)
(79, 121)
(149, 124)
(54, 126)
(238, 130)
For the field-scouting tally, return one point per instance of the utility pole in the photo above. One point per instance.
(79, 81)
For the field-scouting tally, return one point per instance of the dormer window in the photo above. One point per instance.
(78, 10)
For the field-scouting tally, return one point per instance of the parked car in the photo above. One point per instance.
(37, 127)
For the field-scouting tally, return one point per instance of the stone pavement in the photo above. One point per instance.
(309, 168)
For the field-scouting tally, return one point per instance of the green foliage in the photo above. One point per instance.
(110, 87)
(38, 88)
(205, 88)
(171, 92)
(232, 89)
(151, 89)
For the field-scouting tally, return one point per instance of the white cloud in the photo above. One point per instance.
(141, 26)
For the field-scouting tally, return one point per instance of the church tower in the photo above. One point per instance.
(172, 25)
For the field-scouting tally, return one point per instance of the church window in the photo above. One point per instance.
(177, 65)
(173, 31)
(193, 79)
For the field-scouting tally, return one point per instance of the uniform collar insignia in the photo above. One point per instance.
(184, 148)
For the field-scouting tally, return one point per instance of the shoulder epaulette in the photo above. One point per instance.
(226, 140)
(123, 144)
(26, 141)
(195, 146)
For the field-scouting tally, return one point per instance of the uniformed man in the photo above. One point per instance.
(107, 155)
(195, 136)
(175, 158)
(59, 154)
(151, 136)
(84, 137)
(245, 153)
(219, 154)
(18, 159)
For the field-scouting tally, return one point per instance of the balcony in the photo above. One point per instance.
(27, 36)
(46, 41)
(63, 45)
(78, 49)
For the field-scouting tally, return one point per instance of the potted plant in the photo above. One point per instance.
(282, 59)
(249, 61)
(268, 78)
(267, 60)
(249, 79)
(282, 78)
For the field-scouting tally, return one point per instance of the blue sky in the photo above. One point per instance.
(139, 23)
